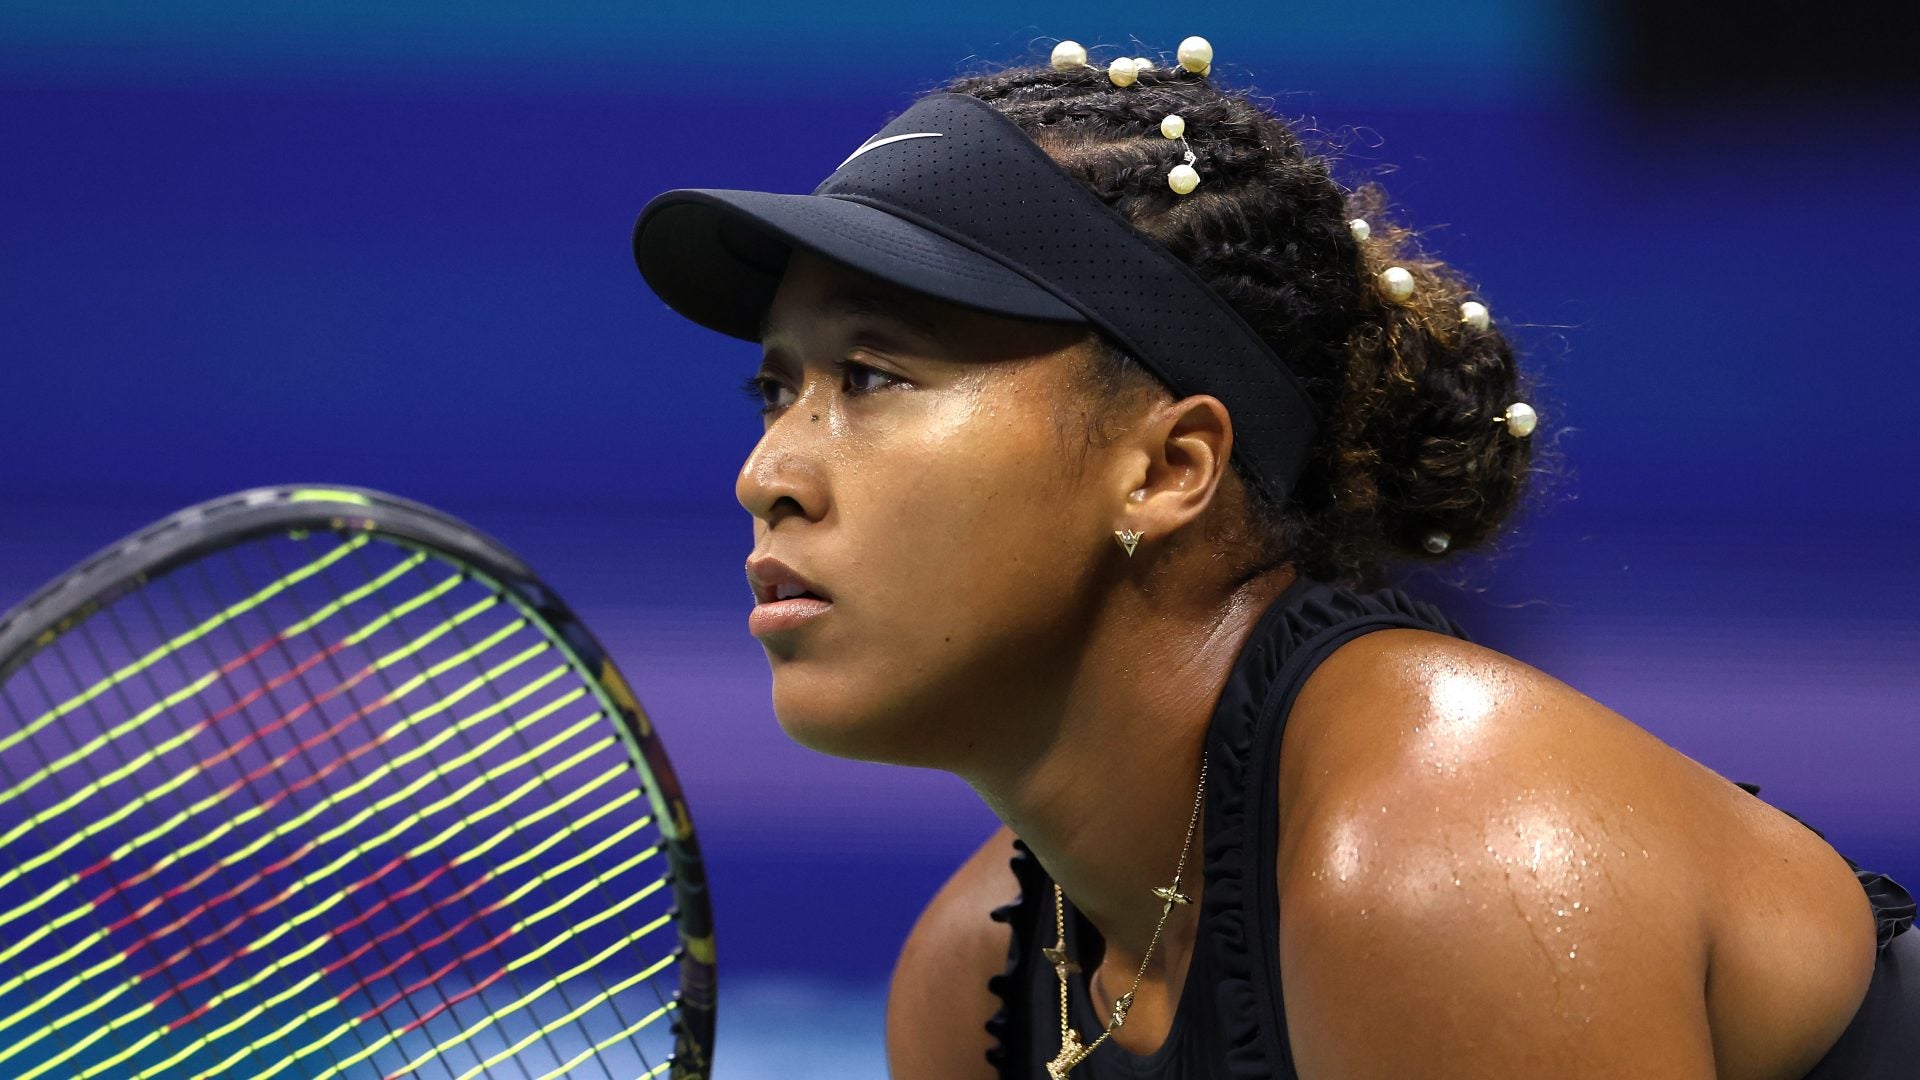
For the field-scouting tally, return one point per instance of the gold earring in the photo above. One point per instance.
(1127, 539)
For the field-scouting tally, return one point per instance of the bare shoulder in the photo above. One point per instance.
(1527, 882)
(939, 1004)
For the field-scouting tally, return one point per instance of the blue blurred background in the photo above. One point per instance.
(386, 245)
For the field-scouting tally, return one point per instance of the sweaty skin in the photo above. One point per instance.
(1445, 810)
(1583, 899)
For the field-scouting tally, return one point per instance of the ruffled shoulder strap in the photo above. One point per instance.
(1893, 905)
(1011, 1046)
(1311, 619)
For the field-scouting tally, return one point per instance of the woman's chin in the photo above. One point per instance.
(831, 727)
(837, 735)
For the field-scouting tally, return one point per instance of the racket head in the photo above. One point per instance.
(179, 750)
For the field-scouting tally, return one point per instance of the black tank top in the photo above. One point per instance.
(1230, 1023)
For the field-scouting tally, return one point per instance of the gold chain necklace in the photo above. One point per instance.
(1071, 1052)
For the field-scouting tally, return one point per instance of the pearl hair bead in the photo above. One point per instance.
(1069, 54)
(1474, 314)
(1521, 419)
(1436, 542)
(1360, 229)
(1141, 63)
(1182, 179)
(1196, 55)
(1173, 125)
(1122, 72)
(1396, 283)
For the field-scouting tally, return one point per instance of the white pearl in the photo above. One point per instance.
(1436, 541)
(1196, 55)
(1521, 418)
(1360, 229)
(1141, 63)
(1474, 314)
(1122, 72)
(1397, 283)
(1182, 178)
(1173, 125)
(1069, 54)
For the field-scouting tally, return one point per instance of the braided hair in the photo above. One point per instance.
(1409, 395)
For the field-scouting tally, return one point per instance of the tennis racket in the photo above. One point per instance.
(317, 782)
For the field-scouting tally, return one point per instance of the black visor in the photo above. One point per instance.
(952, 200)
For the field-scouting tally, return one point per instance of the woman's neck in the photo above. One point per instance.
(1104, 803)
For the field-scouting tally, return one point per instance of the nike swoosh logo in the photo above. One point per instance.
(874, 144)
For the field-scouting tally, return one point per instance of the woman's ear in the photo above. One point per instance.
(1180, 452)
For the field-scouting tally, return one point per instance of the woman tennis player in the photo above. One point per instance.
(1095, 413)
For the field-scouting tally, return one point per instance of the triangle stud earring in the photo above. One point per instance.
(1128, 539)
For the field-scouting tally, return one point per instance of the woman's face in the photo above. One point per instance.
(913, 470)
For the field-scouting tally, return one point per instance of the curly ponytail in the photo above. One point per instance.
(1410, 395)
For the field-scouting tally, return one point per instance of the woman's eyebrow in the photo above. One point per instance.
(855, 305)
(868, 305)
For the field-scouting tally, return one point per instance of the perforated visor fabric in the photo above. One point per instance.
(952, 200)
(716, 257)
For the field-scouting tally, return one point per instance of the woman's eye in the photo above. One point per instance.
(770, 394)
(857, 373)
(766, 392)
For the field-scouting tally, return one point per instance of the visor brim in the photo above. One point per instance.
(716, 256)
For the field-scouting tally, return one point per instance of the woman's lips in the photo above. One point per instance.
(779, 616)
(773, 615)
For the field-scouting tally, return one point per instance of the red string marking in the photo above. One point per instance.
(435, 977)
(266, 804)
(412, 922)
(382, 973)
(256, 774)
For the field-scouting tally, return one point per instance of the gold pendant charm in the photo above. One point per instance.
(1062, 964)
(1120, 1008)
(1172, 894)
(1071, 1053)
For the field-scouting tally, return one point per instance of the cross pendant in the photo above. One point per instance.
(1062, 965)
(1172, 894)
(1071, 1053)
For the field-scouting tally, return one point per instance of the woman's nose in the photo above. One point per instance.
(782, 475)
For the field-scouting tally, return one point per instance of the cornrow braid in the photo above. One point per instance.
(1410, 396)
